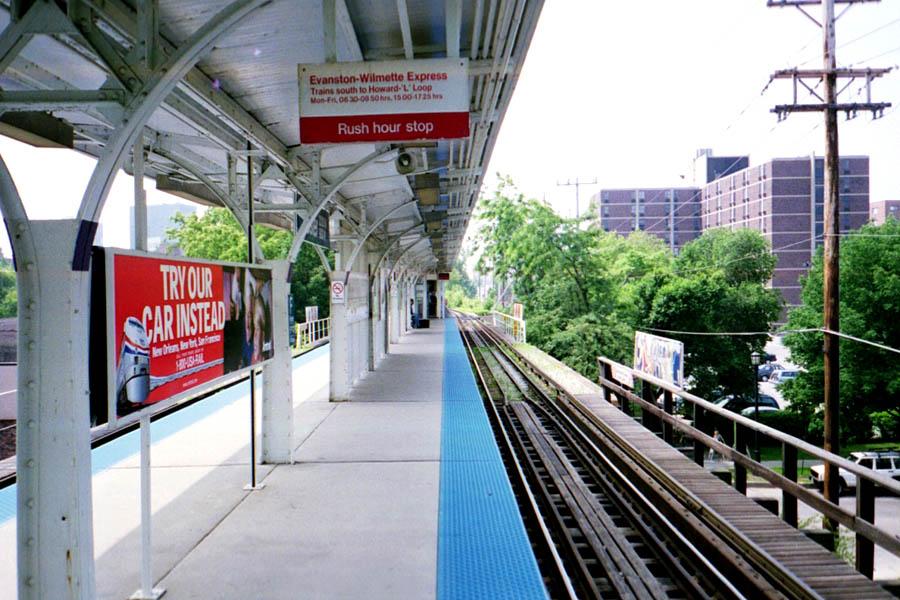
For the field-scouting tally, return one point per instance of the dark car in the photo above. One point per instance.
(739, 403)
(763, 372)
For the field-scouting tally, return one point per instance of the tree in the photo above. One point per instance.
(586, 291)
(8, 291)
(216, 235)
(718, 286)
(869, 303)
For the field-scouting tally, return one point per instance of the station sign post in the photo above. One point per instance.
(384, 101)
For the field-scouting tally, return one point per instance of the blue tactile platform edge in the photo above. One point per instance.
(105, 456)
(483, 550)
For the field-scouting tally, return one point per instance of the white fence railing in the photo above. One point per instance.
(511, 326)
(312, 333)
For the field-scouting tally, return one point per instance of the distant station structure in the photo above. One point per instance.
(360, 126)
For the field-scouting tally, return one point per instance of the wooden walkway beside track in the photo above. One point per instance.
(826, 574)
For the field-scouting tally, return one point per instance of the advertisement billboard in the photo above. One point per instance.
(174, 325)
(384, 101)
(658, 356)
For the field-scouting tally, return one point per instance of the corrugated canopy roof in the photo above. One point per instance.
(89, 64)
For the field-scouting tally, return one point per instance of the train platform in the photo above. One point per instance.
(398, 493)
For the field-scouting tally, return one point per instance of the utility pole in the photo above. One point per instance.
(577, 183)
(829, 104)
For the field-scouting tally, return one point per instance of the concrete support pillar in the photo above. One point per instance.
(278, 398)
(396, 310)
(350, 328)
(441, 287)
(53, 462)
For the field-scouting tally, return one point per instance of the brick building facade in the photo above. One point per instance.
(782, 199)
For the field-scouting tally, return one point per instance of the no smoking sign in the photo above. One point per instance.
(337, 292)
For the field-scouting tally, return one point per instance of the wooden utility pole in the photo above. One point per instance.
(577, 183)
(828, 104)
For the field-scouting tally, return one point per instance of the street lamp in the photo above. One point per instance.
(755, 360)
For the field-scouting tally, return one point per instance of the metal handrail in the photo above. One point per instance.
(862, 523)
(882, 480)
(515, 328)
(312, 333)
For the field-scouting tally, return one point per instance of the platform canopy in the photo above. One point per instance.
(203, 84)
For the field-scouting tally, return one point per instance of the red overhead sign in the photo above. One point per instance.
(386, 101)
(174, 325)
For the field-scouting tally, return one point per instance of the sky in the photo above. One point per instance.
(624, 92)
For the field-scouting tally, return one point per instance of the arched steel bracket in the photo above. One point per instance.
(362, 242)
(138, 112)
(223, 196)
(301, 234)
(325, 261)
(393, 242)
(14, 213)
(404, 253)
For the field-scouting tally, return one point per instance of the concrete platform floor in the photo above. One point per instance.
(354, 517)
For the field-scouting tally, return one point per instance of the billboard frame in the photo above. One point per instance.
(114, 421)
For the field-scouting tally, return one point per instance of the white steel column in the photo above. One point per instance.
(350, 327)
(389, 302)
(140, 196)
(54, 512)
(278, 397)
(441, 287)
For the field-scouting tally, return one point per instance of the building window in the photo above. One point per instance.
(845, 166)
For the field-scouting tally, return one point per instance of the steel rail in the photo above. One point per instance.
(774, 572)
(520, 483)
(625, 495)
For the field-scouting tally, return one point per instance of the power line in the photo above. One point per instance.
(728, 333)
(777, 332)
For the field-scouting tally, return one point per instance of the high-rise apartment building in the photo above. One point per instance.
(671, 214)
(783, 199)
(881, 210)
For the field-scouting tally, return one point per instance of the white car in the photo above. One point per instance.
(886, 463)
(780, 376)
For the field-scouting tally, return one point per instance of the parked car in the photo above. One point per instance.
(763, 372)
(739, 403)
(886, 463)
(779, 377)
(750, 411)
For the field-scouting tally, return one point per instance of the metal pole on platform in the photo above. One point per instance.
(147, 591)
(253, 485)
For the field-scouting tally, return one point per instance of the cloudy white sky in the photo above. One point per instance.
(627, 92)
(622, 91)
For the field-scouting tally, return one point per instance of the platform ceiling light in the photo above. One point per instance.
(37, 129)
(189, 190)
(428, 189)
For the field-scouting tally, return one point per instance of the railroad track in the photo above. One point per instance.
(603, 520)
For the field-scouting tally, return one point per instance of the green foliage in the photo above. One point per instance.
(461, 291)
(786, 421)
(586, 291)
(887, 422)
(870, 301)
(216, 235)
(8, 291)
(719, 286)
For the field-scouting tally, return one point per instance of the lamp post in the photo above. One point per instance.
(755, 360)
